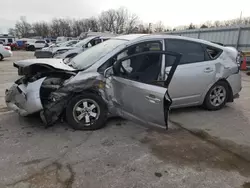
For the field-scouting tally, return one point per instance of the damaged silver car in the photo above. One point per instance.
(125, 76)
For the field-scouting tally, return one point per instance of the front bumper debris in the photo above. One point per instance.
(13, 100)
(25, 98)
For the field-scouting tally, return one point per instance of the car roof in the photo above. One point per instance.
(135, 37)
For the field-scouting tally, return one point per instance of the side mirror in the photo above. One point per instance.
(108, 72)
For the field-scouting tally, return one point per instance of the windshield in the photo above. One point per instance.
(90, 56)
(83, 42)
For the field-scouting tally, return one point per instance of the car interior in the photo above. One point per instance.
(142, 68)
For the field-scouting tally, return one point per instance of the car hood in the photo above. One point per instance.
(51, 63)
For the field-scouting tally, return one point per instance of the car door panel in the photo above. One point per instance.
(193, 76)
(190, 82)
(141, 102)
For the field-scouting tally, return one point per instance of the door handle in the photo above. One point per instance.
(153, 99)
(208, 69)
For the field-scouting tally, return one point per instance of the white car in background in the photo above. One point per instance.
(70, 52)
(5, 51)
(48, 52)
(37, 44)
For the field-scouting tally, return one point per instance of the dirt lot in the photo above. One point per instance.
(193, 153)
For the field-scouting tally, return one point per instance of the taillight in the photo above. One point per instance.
(7, 48)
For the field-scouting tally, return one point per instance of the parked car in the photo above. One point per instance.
(63, 39)
(79, 47)
(8, 40)
(48, 52)
(37, 44)
(132, 76)
(5, 51)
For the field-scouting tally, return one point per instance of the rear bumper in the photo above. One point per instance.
(7, 53)
(235, 82)
(43, 54)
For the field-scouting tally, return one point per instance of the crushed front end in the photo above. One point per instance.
(48, 92)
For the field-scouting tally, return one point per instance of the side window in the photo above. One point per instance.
(41, 42)
(191, 52)
(139, 68)
(97, 41)
(213, 52)
(141, 47)
(133, 64)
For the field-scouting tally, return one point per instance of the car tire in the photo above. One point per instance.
(217, 96)
(86, 112)
(1, 57)
(32, 48)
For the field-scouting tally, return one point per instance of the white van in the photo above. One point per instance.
(7, 39)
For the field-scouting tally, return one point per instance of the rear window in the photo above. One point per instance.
(40, 41)
(213, 52)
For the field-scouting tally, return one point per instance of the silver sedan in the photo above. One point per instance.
(138, 77)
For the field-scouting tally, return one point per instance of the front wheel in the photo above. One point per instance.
(86, 112)
(217, 96)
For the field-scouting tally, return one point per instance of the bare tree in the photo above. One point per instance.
(23, 28)
(121, 20)
(55, 28)
(191, 26)
(41, 29)
(217, 24)
(132, 23)
(107, 20)
(203, 26)
(77, 28)
(92, 24)
(159, 27)
(12, 32)
(65, 29)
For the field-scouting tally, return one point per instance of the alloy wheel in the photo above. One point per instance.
(86, 112)
(217, 95)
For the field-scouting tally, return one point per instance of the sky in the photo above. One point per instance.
(171, 12)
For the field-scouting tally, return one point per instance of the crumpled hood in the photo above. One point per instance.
(54, 63)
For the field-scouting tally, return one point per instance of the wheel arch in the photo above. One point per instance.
(92, 91)
(230, 97)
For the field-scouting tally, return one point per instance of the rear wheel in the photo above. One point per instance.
(217, 96)
(1, 57)
(86, 112)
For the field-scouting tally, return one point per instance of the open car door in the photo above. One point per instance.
(136, 93)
